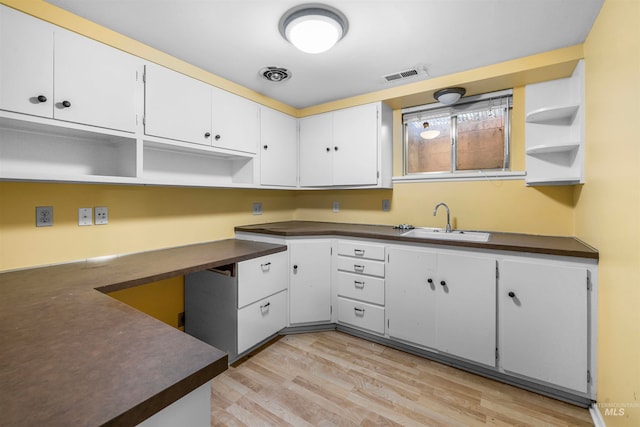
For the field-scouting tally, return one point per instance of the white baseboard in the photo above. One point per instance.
(596, 416)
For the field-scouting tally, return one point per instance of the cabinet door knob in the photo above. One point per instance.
(335, 148)
(265, 146)
(295, 267)
(217, 137)
(41, 98)
(512, 294)
(207, 134)
(443, 283)
(328, 149)
(430, 280)
(66, 104)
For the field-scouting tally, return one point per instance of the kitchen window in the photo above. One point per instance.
(464, 140)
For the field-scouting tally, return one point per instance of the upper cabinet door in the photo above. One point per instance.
(278, 154)
(355, 145)
(176, 106)
(316, 150)
(26, 64)
(95, 84)
(235, 122)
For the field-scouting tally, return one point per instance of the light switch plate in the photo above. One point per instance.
(257, 208)
(386, 205)
(84, 216)
(336, 206)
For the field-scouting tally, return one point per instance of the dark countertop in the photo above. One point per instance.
(73, 356)
(551, 245)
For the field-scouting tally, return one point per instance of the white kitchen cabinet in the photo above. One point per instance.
(432, 296)
(278, 151)
(544, 322)
(235, 122)
(26, 63)
(360, 277)
(176, 106)
(309, 281)
(237, 307)
(348, 147)
(316, 150)
(554, 130)
(467, 302)
(411, 295)
(85, 81)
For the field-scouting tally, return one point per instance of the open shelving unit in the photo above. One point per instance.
(554, 130)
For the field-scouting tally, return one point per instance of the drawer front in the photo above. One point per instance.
(361, 266)
(367, 289)
(260, 277)
(361, 315)
(261, 319)
(361, 250)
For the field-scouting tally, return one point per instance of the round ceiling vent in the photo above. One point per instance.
(275, 74)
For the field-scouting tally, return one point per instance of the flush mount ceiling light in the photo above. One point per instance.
(449, 96)
(429, 133)
(313, 28)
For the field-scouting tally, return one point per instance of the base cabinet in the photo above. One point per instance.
(237, 307)
(434, 296)
(544, 322)
(309, 281)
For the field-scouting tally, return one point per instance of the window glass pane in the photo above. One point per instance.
(431, 151)
(480, 142)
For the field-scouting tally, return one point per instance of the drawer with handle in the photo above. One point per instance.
(361, 315)
(368, 289)
(361, 266)
(361, 250)
(260, 320)
(261, 277)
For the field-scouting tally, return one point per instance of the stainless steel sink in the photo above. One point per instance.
(440, 234)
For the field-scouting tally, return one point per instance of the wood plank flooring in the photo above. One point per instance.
(334, 379)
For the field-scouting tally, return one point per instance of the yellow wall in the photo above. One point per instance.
(607, 212)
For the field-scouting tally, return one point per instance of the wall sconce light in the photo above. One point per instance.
(313, 28)
(429, 133)
(449, 96)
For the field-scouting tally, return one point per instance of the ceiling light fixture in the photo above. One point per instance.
(449, 96)
(313, 28)
(429, 133)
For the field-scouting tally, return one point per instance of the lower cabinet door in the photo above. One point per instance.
(361, 315)
(260, 320)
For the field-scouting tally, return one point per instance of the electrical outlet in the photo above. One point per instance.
(84, 216)
(44, 216)
(336, 206)
(386, 205)
(257, 208)
(101, 215)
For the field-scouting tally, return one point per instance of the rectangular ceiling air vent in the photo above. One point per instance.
(401, 75)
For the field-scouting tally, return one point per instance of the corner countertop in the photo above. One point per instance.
(72, 356)
(550, 245)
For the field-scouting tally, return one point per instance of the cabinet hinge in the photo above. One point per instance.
(497, 354)
(588, 281)
(497, 271)
(144, 120)
(144, 77)
(378, 174)
(330, 309)
(588, 377)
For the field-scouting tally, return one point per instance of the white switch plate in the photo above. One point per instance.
(101, 215)
(257, 208)
(386, 205)
(336, 206)
(84, 216)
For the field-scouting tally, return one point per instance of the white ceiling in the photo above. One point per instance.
(236, 38)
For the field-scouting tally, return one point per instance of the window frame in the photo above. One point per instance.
(504, 97)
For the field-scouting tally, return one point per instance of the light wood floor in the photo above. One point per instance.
(331, 378)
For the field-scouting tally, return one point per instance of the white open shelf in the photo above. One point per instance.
(556, 113)
(553, 148)
(36, 150)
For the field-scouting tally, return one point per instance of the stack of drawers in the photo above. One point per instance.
(360, 276)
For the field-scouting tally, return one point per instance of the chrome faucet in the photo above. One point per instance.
(435, 211)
